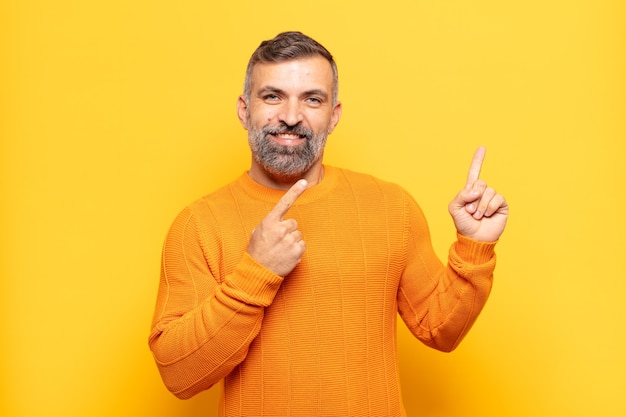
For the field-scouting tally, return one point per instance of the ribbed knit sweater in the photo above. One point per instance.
(322, 340)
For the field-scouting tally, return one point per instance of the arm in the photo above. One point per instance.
(203, 325)
(202, 328)
(440, 304)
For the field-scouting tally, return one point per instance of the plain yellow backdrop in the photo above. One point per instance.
(115, 114)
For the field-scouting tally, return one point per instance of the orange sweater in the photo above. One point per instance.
(321, 341)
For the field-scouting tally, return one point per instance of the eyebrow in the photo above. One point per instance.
(313, 92)
(270, 89)
(317, 92)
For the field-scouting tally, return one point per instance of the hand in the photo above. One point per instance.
(478, 211)
(277, 243)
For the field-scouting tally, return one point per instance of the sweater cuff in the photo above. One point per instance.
(473, 251)
(253, 283)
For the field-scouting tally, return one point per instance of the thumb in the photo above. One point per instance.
(463, 198)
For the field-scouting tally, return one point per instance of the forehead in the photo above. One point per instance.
(306, 73)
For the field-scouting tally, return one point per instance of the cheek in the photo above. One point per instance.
(261, 115)
(265, 116)
(323, 123)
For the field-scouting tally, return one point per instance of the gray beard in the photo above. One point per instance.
(286, 162)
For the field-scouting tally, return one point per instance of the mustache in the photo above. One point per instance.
(297, 129)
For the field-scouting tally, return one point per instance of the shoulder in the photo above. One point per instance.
(204, 219)
(204, 209)
(371, 185)
(379, 193)
(226, 195)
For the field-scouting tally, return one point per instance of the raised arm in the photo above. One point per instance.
(439, 303)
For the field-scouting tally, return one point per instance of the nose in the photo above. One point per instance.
(291, 113)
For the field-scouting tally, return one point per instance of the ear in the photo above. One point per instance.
(335, 116)
(242, 111)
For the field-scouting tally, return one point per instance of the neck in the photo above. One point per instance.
(313, 176)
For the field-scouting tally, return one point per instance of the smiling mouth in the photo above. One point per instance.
(288, 139)
(288, 136)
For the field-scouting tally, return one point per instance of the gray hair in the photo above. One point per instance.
(288, 46)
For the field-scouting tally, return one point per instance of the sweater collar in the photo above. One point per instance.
(257, 191)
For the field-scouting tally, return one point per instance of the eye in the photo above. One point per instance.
(270, 97)
(315, 101)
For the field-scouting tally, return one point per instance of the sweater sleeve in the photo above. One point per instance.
(202, 328)
(438, 303)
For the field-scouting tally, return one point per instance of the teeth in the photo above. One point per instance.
(288, 136)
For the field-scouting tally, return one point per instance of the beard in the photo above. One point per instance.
(286, 162)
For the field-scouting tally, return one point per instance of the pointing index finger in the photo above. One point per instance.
(287, 200)
(477, 162)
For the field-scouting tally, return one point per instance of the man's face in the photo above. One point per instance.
(289, 115)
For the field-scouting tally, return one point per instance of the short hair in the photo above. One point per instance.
(288, 46)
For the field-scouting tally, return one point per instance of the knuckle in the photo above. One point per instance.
(481, 183)
(290, 225)
(282, 230)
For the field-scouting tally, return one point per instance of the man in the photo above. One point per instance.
(285, 284)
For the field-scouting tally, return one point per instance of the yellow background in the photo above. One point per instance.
(115, 114)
